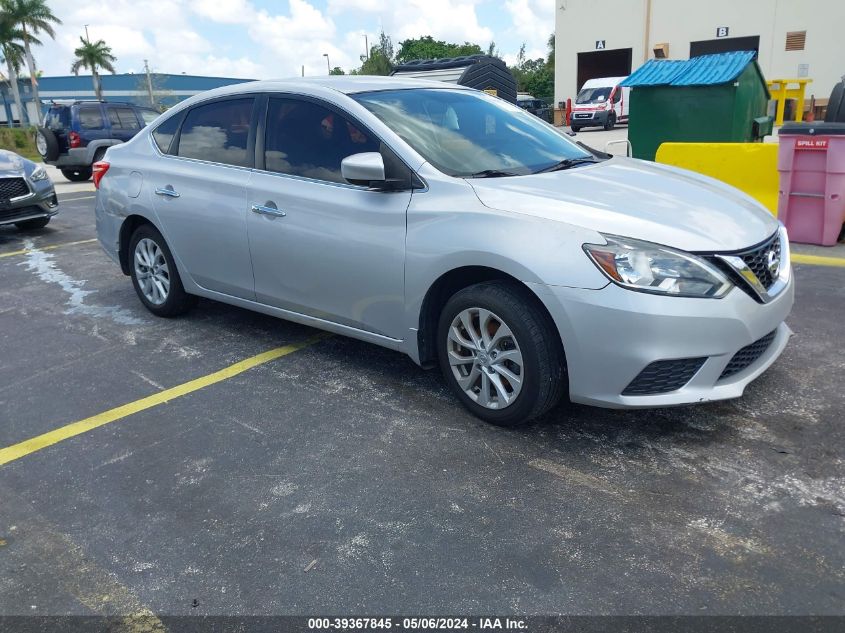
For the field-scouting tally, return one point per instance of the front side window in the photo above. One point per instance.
(123, 119)
(91, 118)
(306, 139)
(218, 132)
(466, 133)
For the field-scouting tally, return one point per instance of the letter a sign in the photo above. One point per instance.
(600, 45)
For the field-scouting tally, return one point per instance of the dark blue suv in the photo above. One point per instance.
(76, 135)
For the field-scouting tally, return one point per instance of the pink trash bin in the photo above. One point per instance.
(811, 198)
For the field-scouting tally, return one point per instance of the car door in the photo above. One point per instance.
(199, 191)
(124, 123)
(320, 246)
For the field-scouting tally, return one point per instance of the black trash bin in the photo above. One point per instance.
(836, 104)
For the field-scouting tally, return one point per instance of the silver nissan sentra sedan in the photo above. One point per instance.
(455, 227)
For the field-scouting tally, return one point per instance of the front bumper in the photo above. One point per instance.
(611, 335)
(40, 202)
(596, 117)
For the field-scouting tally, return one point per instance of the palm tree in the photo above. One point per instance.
(13, 53)
(33, 16)
(93, 55)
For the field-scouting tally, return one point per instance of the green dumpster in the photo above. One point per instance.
(708, 99)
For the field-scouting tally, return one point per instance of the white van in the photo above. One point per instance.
(600, 102)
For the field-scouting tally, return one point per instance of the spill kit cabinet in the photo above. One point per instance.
(719, 98)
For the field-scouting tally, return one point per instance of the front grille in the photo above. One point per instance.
(583, 116)
(8, 215)
(12, 188)
(663, 376)
(748, 355)
(758, 260)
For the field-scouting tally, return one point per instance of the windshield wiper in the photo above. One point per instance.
(568, 163)
(491, 173)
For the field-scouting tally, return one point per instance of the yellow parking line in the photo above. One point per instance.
(22, 449)
(818, 260)
(44, 248)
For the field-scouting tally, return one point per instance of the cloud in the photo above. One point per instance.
(533, 22)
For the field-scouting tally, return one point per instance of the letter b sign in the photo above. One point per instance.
(721, 31)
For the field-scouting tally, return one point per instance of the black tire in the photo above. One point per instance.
(611, 121)
(33, 224)
(47, 143)
(178, 301)
(99, 155)
(544, 374)
(574, 128)
(77, 175)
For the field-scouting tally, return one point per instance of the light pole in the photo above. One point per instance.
(86, 34)
(366, 46)
(328, 65)
(149, 83)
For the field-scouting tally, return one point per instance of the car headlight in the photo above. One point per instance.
(648, 267)
(39, 173)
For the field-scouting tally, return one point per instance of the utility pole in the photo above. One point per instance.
(87, 39)
(328, 65)
(303, 70)
(149, 83)
(366, 47)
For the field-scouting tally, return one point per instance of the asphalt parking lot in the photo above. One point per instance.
(337, 477)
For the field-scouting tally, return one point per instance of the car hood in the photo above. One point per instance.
(10, 164)
(637, 199)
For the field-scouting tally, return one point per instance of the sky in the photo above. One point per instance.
(261, 39)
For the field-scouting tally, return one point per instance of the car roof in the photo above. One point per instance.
(345, 84)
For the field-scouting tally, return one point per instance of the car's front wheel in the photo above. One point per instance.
(154, 274)
(611, 121)
(500, 353)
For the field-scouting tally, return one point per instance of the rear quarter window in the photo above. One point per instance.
(164, 133)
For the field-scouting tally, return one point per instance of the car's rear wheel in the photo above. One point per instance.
(500, 353)
(77, 175)
(33, 224)
(154, 274)
(46, 143)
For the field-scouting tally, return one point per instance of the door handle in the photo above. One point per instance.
(264, 210)
(167, 191)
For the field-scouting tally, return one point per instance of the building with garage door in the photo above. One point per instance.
(609, 38)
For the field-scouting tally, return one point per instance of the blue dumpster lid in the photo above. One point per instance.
(706, 70)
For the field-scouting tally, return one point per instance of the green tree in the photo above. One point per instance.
(536, 76)
(13, 54)
(427, 47)
(93, 55)
(33, 17)
(380, 61)
(337, 70)
(492, 50)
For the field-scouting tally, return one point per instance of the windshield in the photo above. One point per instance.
(466, 133)
(593, 95)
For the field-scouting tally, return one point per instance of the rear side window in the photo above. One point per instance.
(91, 118)
(218, 132)
(123, 119)
(164, 133)
(148, 116)
(307, 139)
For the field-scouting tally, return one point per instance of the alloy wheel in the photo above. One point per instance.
(151, 271)
(485, 358)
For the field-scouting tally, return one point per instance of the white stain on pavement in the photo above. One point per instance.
(42, 264)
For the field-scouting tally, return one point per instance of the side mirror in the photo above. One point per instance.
(366, 169)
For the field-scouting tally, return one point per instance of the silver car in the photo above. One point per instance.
(454, 227)
(27, 197)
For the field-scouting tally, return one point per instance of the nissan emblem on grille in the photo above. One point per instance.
(773, 263)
